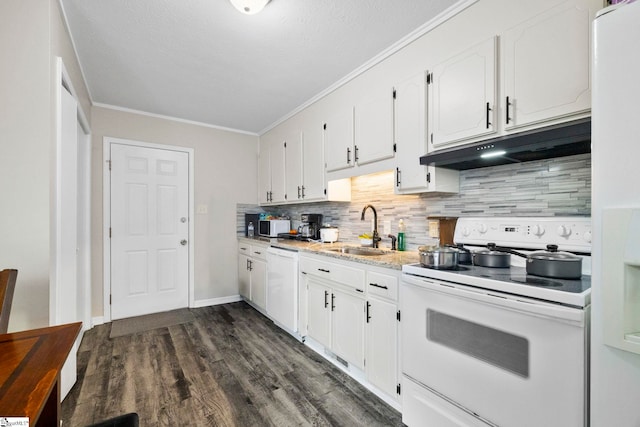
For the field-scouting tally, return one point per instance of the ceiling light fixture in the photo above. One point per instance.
(249, 7)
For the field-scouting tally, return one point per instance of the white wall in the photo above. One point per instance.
(31, 35)
(225, 174)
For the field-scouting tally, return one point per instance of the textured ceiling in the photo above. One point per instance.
(202, 60)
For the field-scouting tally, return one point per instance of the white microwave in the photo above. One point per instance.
(272, 227)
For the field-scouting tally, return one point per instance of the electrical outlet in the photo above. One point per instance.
(386, 226)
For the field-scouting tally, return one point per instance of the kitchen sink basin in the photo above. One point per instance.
(364, 251)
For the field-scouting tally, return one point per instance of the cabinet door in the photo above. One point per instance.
(382, 345)
(338, 140)
(373, 118)
(546, 62)
(277, 166)
(244, 276)
(264, 174)
(410, 112)
(259, 283)
(319, 312)
(293, 169)
(313, 183)
(347, 327)
(462, 96)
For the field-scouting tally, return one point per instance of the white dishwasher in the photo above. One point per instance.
(282, 288)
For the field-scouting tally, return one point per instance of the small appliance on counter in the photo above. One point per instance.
(273, 227)
(329, 233)
(310, 226)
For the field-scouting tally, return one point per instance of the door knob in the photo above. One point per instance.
(183, 242)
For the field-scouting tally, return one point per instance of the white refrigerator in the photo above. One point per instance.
(615, 334)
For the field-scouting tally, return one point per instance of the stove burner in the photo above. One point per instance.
(536, 281)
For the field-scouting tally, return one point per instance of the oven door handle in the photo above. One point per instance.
(568, 315)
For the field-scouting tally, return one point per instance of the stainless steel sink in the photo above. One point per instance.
(364, 251)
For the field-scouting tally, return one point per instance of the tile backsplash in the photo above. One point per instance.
(555, 187)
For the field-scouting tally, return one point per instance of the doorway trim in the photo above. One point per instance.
(106, 214)
(63, 82)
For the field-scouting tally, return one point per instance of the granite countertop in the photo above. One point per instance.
(390, 259)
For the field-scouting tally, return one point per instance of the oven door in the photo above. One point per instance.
(511, 361)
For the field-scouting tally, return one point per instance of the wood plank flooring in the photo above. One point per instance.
(231, 366)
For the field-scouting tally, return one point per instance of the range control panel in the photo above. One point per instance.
(569, 233)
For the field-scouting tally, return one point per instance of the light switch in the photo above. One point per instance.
(202, 209)
(434, 229)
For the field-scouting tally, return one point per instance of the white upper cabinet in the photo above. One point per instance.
(545, 66)
(410, 130)
(271, 171)
(374, 127)
(338, 140)
(277, 166)
(462, 96)
(313, 179)
(293, 166)
(264, 173)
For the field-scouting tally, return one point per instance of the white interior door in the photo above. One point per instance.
(149, 230)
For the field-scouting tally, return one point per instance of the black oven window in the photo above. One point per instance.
(504, 350)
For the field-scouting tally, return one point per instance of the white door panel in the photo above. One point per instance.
(149, 225)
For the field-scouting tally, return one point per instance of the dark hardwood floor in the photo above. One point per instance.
(231, 366)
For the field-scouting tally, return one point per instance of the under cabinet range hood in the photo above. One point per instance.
(545, 143)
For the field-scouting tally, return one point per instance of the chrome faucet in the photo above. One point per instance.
(376, 237)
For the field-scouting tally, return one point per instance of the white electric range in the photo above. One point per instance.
(497, 346)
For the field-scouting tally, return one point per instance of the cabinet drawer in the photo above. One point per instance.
(383, 285)
(244, 248)
(343, 274)
(259, 252)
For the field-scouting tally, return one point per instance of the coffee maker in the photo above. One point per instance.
(310, 226)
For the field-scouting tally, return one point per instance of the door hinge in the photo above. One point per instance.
(429, 78)
(325, 191)
(285, 144)
(398, 389)
(395, 147)
(431, 137)
(109, 163)
(398, 315)
(324, 126)
(109, 299)
(394, 93)
(109, 232)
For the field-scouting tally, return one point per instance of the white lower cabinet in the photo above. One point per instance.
(347, 327)
(318, 313)
(381, 351)
(244, 276)
(335, 319)
(259, 283)
(351, 310)
(252, 273)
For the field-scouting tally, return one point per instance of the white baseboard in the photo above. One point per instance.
(216, 301)
(99, 320)
(95, 321)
